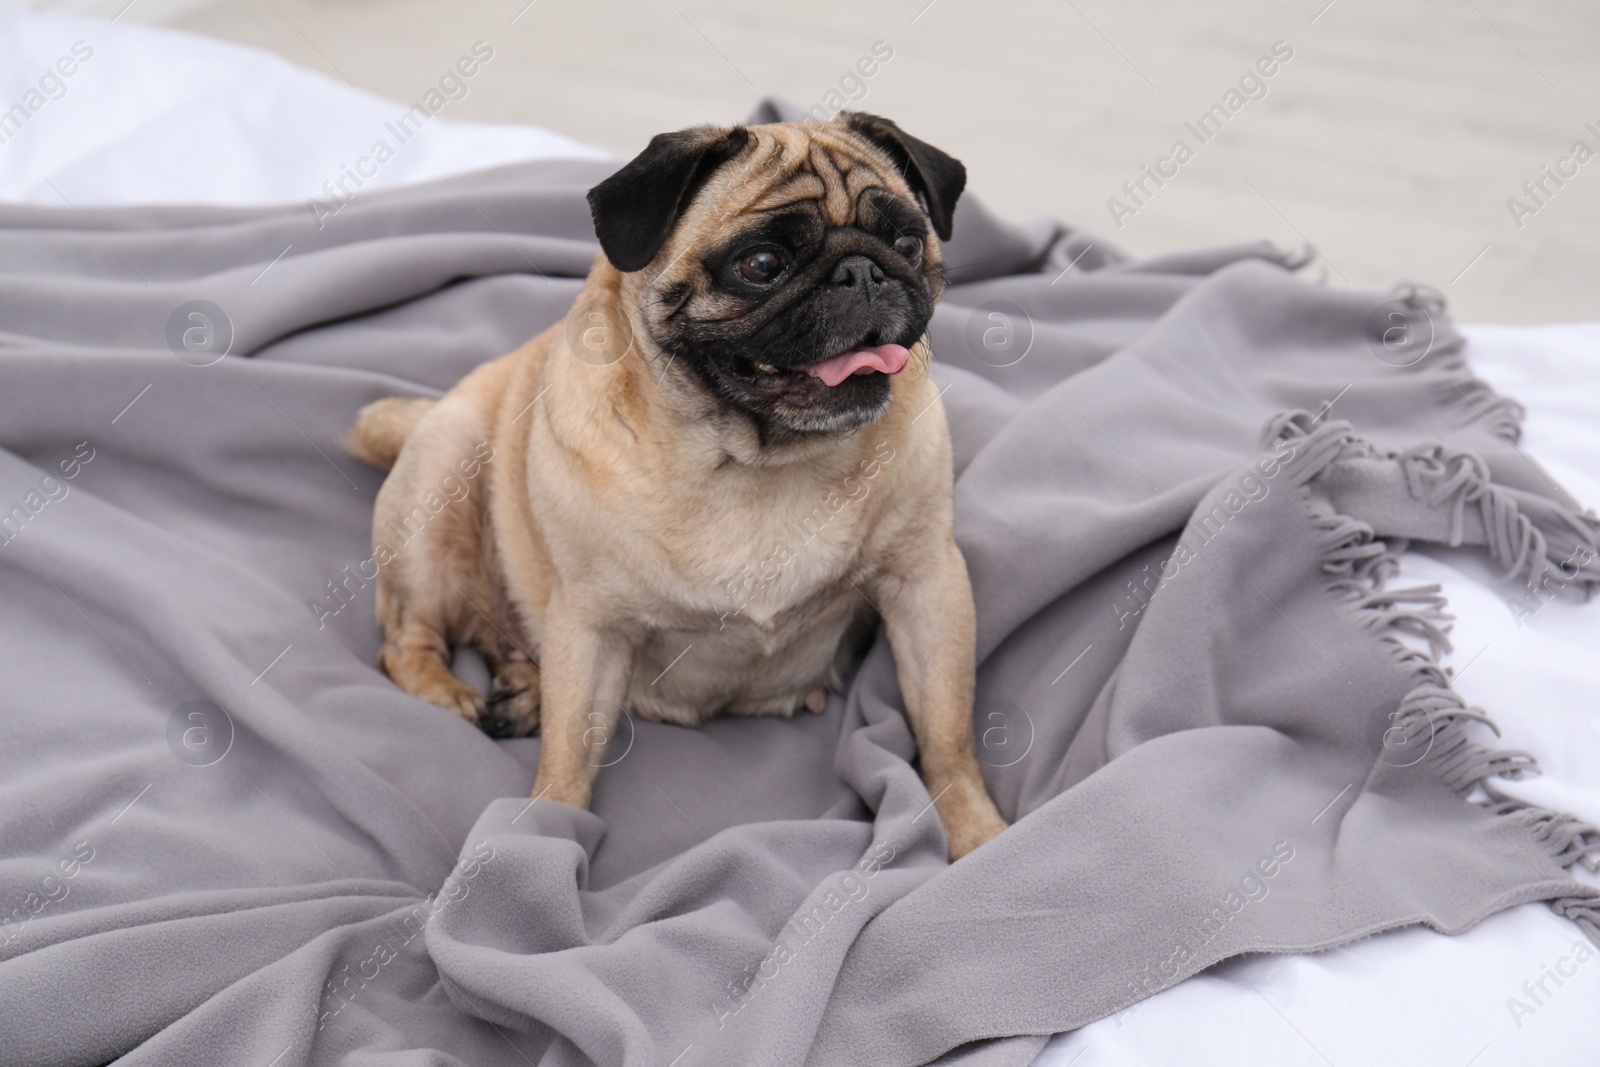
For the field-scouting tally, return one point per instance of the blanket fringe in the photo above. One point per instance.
(1459, 480)
(1502, 413)
(1582, 911)
(1457, 384)
(1432, 716)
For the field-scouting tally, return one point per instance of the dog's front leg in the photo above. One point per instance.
(584, 671)
(929, 615)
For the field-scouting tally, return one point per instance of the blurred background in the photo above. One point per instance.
(1396, 137)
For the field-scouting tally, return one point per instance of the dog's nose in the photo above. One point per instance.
(859, 273)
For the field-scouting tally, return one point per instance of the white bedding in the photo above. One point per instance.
(154, 116)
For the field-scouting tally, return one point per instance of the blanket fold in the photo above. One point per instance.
(1220, 723)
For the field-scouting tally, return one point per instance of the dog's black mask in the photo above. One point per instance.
(796, 311)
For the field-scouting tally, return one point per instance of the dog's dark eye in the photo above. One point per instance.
(910, 247)
(761, 267)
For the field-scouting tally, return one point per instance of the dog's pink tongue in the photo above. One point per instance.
(884, 359)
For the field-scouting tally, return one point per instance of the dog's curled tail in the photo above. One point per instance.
(382, 426)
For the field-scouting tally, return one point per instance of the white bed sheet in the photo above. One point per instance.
(153, 116)
(156, 116)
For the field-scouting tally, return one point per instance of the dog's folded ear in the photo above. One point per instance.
(635, 209)
(939, 177)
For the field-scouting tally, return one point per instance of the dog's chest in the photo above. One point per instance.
(774, 559)
(751, 614)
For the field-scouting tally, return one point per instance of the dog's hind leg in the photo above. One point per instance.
(416, 657)
(429, 545)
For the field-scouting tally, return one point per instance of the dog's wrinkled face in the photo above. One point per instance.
(789, 269)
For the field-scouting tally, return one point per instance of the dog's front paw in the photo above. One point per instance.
(513, 707)
(969, 823)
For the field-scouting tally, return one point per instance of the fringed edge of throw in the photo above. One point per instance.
(1446, 346)
(1461, 480)
(1359, 564)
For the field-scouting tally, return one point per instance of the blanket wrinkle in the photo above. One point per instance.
(1217, 716)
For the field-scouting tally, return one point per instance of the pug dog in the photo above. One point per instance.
(702, 490)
